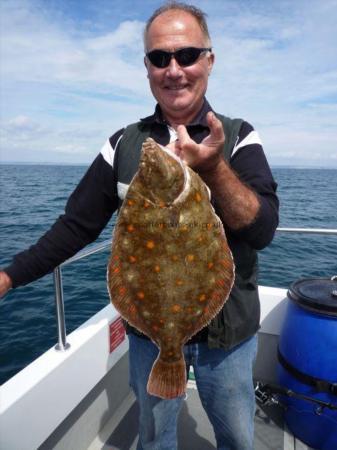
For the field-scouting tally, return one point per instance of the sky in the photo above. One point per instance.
(72, 73)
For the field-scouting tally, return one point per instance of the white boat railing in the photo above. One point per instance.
(307, 230)
(62, 344)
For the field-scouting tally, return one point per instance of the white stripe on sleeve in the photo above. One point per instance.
(108, 152)
(252, 138)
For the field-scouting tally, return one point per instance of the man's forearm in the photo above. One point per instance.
(237, 205)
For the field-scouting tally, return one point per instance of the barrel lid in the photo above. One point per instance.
(317, 294)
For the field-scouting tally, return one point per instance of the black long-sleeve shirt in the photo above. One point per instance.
(94, 200)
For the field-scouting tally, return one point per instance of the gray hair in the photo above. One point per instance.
(197, 13)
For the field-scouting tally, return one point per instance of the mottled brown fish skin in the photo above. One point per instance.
(171, 269)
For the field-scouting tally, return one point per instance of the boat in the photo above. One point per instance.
(76, 395)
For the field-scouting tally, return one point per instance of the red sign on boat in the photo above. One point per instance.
(117, 333)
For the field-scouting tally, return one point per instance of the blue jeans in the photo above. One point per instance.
(225, 386)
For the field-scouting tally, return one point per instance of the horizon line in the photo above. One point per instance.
(52, 163)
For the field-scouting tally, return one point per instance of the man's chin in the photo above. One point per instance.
(178, 102)
(177, 96)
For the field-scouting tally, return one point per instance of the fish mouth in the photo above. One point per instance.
(155, 167)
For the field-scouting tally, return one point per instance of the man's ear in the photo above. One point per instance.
(146, 62)
(211, 59)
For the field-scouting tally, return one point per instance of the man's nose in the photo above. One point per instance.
(174, 69)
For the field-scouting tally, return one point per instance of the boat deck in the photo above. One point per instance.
(98, 411)
(194, 429)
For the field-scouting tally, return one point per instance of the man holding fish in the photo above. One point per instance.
(179, 59)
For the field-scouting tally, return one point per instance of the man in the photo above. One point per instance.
(179, 61)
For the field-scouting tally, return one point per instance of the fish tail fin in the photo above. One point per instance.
(167, 379)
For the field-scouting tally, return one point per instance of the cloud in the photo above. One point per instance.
(37, 50)
(22, 124)
(70, 77)
(277, 68)
(55, 83)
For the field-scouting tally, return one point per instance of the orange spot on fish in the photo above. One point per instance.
(176, 308)
(140, 295)
(190, 258)
(155, 328)
(198, 197)
(209, 226)
(146, 204)
(133, 310)
(122, 290)
(131, 202)
(202, 298)
(179, 282)
(116, 269)
(161, 204)
(156, 268)
(184, 228)
(132, 259)
(150, 244)
(130, 228)
(115, 257)
(210, 265)
(161, 226)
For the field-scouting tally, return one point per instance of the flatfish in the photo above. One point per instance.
(170, 270)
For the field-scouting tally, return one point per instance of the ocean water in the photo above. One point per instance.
(32, 197)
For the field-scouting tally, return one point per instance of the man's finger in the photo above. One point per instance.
(183, 135)
(215, 126)
(174, 147)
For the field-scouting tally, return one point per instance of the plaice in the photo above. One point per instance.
(170, 270)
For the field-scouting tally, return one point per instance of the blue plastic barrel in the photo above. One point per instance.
(308, 360)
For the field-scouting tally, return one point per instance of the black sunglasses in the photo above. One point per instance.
(184, 57)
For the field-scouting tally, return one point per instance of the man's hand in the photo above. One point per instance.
(5, 283)
(237, 204)
(203, 157)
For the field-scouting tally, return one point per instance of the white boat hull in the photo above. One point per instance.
(72, 399)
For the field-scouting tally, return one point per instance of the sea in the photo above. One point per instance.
(33, 196)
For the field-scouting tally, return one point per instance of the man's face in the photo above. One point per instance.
(178, 90)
